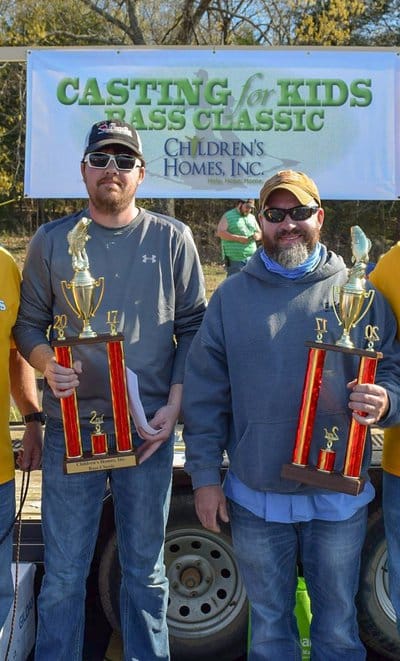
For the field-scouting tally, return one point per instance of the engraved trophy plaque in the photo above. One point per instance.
(351, 303)
(83, 295)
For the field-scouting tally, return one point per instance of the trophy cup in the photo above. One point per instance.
(87, 293)
(351, 303)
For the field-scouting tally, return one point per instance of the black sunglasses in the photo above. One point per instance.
(101, 160)
(296, 213)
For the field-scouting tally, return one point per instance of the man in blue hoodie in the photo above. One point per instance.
(242, 392)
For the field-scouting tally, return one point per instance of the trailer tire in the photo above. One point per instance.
(207, 610)
(376, 616)
(109, 582)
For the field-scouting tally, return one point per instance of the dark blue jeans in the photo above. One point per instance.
(71, 510)
(7, 513)
(267, 555)
(391, 513)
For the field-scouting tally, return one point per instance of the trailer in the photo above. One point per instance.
(208, 610)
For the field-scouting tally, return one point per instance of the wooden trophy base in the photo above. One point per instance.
(89, 462)
(317, 478)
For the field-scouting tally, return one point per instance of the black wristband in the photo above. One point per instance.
(38, 416)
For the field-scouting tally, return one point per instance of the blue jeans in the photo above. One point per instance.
(235, 266)
(7, 514)
(391, 515)
(71, 510)
(267, 554)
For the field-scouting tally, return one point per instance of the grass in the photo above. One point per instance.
(213, 274)
(16, 245)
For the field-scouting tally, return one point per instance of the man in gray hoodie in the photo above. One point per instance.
(153, 281)
(242, 393)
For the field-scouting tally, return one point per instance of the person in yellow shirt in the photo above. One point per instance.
(385, 277)
(19, 381)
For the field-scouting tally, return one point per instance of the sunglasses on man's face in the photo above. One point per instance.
(274, 215)
(101, 161)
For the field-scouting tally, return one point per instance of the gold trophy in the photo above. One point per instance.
(351, 303)
(82, 284)
(83, 288)
(348, 300)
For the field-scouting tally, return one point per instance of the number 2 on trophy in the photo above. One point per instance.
(60, 322)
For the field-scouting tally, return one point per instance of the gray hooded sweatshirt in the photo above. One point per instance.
(245, 372)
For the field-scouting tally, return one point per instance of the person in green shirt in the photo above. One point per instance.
(239, 232)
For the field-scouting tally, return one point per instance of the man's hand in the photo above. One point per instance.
(31, 456)
(62, 380)
(165, 419)
(368, 401)
(210, 504)
(222, 233)
(164, 422)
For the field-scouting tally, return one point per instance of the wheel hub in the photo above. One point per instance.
(206, 591)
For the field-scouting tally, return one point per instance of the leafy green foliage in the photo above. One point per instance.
(329, 22)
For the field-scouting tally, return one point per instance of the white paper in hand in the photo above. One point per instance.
(135, 404)
(146, 449)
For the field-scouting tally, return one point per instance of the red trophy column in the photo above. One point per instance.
(69, 409)
(116, 362)
(357, 432)
(308, 407)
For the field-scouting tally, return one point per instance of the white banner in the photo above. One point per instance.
(215, 123)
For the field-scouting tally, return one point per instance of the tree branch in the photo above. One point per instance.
(132, 30)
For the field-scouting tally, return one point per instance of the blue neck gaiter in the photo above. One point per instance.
(309, 265)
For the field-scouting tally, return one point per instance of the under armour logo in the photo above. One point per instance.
(151, 259)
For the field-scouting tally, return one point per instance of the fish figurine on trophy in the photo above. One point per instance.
(83, 295)
(82, 285)
(350, 303)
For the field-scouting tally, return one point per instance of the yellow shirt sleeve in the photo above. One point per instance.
(9, 303)
(386, 278)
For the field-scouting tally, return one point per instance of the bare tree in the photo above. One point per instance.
(122, 15)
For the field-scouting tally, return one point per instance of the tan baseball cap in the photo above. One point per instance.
(297, 183)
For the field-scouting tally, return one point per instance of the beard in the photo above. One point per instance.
(111, 201)
(289, 257)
